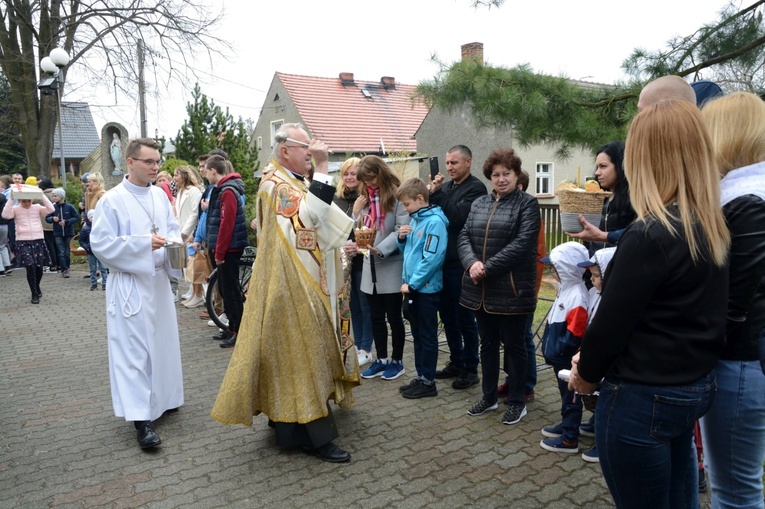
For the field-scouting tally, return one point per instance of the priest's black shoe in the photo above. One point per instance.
(35, 299)
(228, 343)
(147, 437)
(330, 452)
(226, 334)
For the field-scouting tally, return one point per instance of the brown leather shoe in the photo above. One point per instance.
(204, 315)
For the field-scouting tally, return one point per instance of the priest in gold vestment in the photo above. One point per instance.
(294, 351)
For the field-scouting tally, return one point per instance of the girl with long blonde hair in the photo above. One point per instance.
(734, 448)
(660, 325)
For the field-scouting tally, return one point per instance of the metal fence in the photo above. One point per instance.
(554, 235)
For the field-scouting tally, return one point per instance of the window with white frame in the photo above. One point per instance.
(544, 178)
(275, 125)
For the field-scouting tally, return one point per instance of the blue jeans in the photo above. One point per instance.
(62, 249)
(423, 320)
(733, 432)
(645, 441)
(570, 409)
(459, 322)
(361, 316)
(96, 266)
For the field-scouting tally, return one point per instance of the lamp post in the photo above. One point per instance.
(54, 64)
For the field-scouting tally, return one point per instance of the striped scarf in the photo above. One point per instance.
(376, 214)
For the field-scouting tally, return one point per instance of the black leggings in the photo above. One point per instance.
(380, 306)
(34, 275)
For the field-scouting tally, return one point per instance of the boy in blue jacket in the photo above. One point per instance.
(63, 218)
(423, 242)
(561, 340)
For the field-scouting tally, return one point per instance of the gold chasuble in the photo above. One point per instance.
(294, 350)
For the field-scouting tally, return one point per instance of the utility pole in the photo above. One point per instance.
(141, 89)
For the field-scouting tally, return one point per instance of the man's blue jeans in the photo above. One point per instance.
(733, 432)
(459, 322)
(62, 248)
(644, 440)
(423, 320)
(361, 316)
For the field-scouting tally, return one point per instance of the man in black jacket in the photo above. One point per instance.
(455, 198)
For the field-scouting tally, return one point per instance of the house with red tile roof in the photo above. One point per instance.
(351, 116)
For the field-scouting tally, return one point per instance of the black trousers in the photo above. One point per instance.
(380, 306)
(228, 286)
(311, 434)
(510, 332)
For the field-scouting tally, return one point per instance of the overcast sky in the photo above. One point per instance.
(586, 40)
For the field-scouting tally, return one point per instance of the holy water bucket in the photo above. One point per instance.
(177, 254)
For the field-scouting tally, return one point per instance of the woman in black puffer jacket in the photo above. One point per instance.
(497, 248)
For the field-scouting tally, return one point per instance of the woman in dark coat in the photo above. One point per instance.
(617, 209)
(498, 249)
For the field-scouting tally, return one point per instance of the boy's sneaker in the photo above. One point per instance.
(560, 445)
(393, 370)
(482, 407)
(94, 286)
(591, 456)
(553, 431)
(410, 385)
(514, 413)
(587, 429)
(376, 369)
(421, 390)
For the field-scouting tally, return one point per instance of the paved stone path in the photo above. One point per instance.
(62, 446)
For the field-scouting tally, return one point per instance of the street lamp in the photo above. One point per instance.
(53, 64)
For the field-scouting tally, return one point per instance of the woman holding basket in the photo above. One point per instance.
(378, 208)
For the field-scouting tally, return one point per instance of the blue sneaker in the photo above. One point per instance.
(393, 370)
(376, 369)
(553, 431)
(559, 445)
(587, 429)
(591, 456)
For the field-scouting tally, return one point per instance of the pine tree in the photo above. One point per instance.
(208, 127)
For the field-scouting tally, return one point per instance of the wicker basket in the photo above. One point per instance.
(581, 202)
(365, 237)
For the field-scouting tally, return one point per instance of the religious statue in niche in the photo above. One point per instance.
(115, 150)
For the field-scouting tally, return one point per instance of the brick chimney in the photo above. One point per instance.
(472, 50)
(388, 82)
(346, 78)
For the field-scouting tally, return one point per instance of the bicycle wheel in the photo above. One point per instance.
(212, 285)
(245, 272)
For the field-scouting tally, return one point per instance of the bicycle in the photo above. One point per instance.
(245, 272)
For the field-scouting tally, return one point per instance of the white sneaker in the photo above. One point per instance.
(364, 357)
(195, 302)
(187, 295)
(223, 318)
(176, 297)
